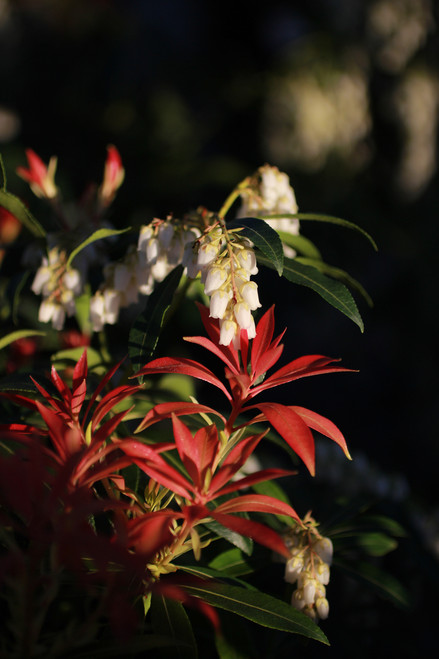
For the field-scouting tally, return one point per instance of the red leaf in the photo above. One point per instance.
(148, 460)
(151, 532)
(293, 429)
(166, 410)
(251, 479)
(300, 368)
(262, 534)
(110, 400)
(184, 366)
(323, 426)
(260, 503)
(197, 453)
(233, 364)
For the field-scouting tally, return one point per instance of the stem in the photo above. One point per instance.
(233, 196)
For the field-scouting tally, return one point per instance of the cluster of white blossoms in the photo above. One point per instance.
(270, 193)
(59, 285)
(308, 567)
(226, 262)
(160, 248)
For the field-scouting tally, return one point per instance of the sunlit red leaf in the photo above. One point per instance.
(323, 426)
(184, 367)
(293, 429)
(163, 411)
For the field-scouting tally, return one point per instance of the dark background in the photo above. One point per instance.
(343, 95)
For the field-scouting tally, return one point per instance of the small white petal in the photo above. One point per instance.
(322, 606)
(228, 331)
(218, 303)
(216, 276)
(250, 294)
(243, 315)
(46, 311)
(42, 276)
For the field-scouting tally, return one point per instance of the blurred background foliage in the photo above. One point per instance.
(343, 95)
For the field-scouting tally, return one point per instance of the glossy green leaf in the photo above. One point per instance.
(330, 290)
(301, 244)
(381, 582)
(264, 238)
(145, 332)
(337, 273)
(243, 543)
(18, 334)
(376, 544)
(169, 618)
(71, 356)
(15, 206)
(329, 219)
(259, 607)
(96, 235)
(232, 562)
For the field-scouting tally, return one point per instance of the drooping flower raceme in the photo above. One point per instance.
(308, 567)
(270, 192)
(59, 284)
(226, 262)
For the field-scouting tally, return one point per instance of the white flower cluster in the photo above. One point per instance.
(269, 193)
(59, 285)
(226, 261)
(161, 247)
(311, 556)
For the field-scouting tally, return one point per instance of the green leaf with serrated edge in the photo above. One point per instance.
(264, 238)
(381, 582)
(144, 334)
(330, 290)
(242, 542)
(301, 244)
(96, 235)
(259, 607)
(329, 219)
(339, 274)
(18, 334)
(169, 618)
(15, 206)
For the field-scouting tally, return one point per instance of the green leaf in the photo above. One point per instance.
(339, 274)
(18, 334)
(381, 582)
(264, 238)
(15, 206)
(3, 173)
(169, 619)
(300, 244)
(330, 290)
(144, 334)
(232, 562)
(330, 219)
(376, 544)
(259, 607)
(241, 541)
(70, 356)
(96, 235)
